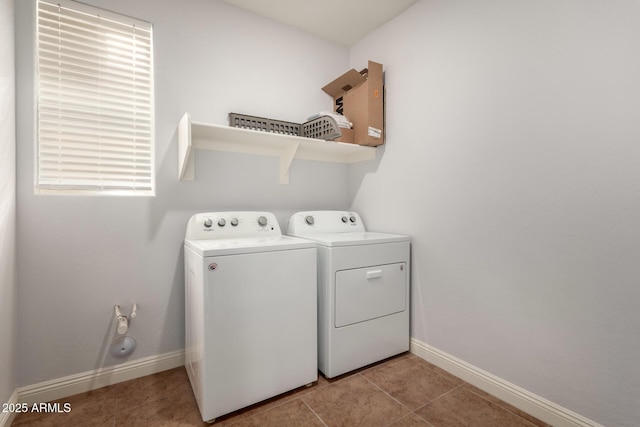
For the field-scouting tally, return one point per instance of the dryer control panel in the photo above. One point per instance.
(231, 225)
(310, 222)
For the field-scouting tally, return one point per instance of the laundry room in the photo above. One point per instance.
(510, 160)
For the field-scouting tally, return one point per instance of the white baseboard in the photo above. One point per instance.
(522, 399)
(97, 378)
(7, 417)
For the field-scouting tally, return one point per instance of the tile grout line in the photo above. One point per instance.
(431, 401)
(384, 391)
(483, 398)
(391, 397)
(262, 410)
(501, 407)
(300, 398)
(375, 386)
(314, 412)
(407, 416)
(421, 406)
(463, 384)
(438, 397)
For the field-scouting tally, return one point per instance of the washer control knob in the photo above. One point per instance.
(208, 223)
(352, 219)
(262, 221)
(309, 219)
(234, 222)
(345, 219)
(222, 222)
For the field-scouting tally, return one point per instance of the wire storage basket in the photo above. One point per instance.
(323, 127)
(263, 124)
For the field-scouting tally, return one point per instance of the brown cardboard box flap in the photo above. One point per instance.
(360, 97)
(345, 82)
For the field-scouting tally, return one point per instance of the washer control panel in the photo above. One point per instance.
(309, 222)
(231, 225)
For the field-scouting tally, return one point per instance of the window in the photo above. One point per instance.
(95, 101)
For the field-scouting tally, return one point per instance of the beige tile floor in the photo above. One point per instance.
(404, 391)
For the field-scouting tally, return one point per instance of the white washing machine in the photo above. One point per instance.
(251, 321)
(363, 290)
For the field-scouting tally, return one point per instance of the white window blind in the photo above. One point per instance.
(95, 101)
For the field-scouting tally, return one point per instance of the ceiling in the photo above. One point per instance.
(343, 22)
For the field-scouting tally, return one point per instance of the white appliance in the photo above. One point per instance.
(251, 321)
(363, 290)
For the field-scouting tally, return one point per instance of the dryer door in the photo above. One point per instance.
(367, 293)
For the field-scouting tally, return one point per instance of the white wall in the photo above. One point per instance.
(78, 256)
(7, 205)
(513, 159)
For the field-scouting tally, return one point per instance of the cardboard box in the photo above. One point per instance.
(360, 97)
(347, 136)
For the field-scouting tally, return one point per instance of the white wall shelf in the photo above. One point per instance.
(194, 135)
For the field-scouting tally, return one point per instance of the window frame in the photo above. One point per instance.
(93, 189)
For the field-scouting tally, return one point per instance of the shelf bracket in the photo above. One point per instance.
(286, 157)
(185, 149)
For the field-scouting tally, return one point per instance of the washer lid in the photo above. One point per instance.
(220, 247)
(355, 238)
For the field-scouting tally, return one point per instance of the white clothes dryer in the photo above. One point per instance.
(250, 302)
(363, 290)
